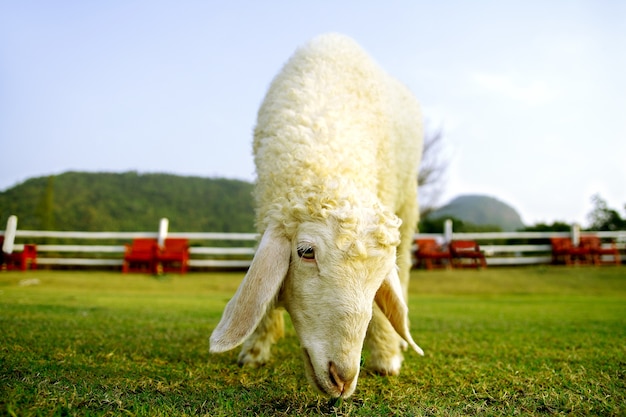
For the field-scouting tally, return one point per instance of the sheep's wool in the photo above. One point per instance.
(328, 144)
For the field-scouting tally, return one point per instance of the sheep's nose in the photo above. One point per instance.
(339, 380)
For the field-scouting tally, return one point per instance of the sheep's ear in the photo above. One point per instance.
(390, 300)
(257, 292)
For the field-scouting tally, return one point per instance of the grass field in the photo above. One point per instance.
(526, 341)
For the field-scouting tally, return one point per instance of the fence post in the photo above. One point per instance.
(163, 225)
(9, 235)
(447, 231)
(575, 234)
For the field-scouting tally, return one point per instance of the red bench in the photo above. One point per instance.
(597, 251)
(140, 256)
(429, 254)
(564, 251)
(27, 258)
(174, 255)
(467, 254)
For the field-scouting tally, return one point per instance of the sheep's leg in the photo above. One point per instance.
(256, 350)
(384, 344)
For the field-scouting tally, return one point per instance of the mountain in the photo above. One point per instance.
(129, 202)
(481, 210)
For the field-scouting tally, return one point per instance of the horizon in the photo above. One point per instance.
(434, 208)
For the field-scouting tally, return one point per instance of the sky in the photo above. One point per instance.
(530, 96)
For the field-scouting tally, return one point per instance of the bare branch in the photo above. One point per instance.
(431, 177)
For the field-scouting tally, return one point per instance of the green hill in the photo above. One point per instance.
(481, 210)
(129, 202)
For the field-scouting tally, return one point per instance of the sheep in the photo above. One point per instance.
(336, 147)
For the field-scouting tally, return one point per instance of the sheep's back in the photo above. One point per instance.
(330, 116)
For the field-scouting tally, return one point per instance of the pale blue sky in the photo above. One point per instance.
(531, 94)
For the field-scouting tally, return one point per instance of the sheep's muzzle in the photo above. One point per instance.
(336, 383)
(339, 381)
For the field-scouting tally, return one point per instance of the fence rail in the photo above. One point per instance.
(208, 250)
(236, 250)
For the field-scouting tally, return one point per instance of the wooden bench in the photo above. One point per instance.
(429, 254)
(21, 260)
(174, 255)
(564, 251)
(597, 251)
(141, 256)
(467, 254)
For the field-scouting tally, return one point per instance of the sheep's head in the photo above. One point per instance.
(327, 270)
(336, 269)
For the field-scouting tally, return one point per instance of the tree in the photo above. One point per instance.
(604, 218)
(46, 206)
(428, 225)
(431, 176)
(556, 226)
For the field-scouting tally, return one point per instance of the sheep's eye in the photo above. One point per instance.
(306, 252)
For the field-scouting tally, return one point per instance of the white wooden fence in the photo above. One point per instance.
(235, 250)
(529, 253)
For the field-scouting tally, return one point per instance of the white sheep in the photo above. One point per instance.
(337, 146)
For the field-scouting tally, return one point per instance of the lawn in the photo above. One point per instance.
(525, 341)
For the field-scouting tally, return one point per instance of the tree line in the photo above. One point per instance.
(130, 202)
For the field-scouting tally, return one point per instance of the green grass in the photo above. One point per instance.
(526, 341)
